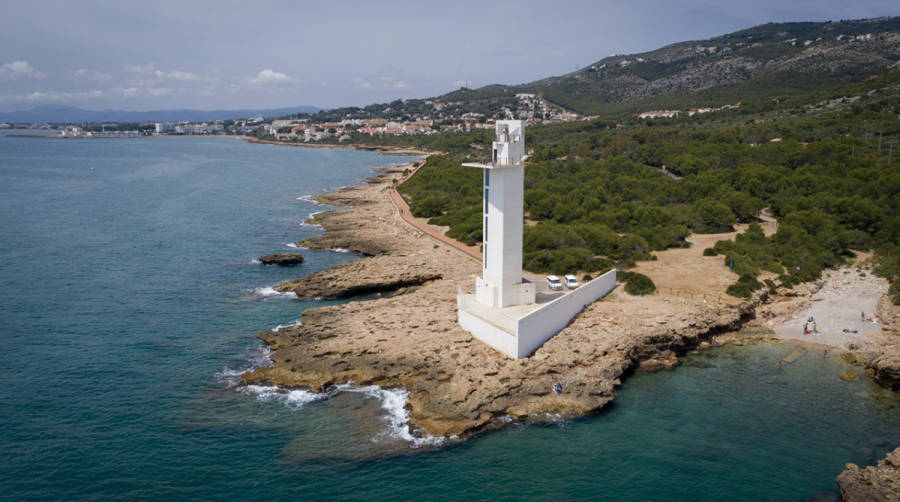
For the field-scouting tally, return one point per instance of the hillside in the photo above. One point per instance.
(599, 195)
(764, 61)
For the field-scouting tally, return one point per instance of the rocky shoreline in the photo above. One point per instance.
(459, 386)
(872, 484)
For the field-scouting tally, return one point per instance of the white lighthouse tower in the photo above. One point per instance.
(501, 283)
(506, 312)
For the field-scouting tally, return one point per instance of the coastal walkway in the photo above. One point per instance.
(434, 233)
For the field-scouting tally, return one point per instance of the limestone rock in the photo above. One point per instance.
(849, 375)
(887, 370)
(281, 259)
(663, 361)
(872, 484)
(359, 277)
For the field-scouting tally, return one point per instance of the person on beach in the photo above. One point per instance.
(778, 366)
(862, 316)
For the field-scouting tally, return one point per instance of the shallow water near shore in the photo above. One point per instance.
(129, 308)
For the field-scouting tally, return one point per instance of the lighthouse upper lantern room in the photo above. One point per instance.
(509, 146)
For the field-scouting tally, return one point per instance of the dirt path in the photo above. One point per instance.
(425, 228)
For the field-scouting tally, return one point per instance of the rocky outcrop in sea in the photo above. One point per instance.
(878, 483)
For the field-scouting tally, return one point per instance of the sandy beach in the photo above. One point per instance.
(843, 311)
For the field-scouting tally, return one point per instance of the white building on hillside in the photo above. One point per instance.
(506, 311)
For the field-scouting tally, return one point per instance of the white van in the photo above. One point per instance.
(553, 282)
(571, 281)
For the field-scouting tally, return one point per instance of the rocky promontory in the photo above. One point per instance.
(377, 275)
(878, 483)
(458, 385)
(282, 259)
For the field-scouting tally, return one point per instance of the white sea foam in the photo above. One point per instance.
(294, 399)
(393, 401)
(278, 328)
(309, 198)
(255, 262)
(310, 225)
(259, 357)
(269, 291)
(339, 250)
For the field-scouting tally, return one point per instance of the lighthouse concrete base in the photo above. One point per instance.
(519, 330)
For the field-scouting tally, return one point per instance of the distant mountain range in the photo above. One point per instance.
(71, 115)
(761, 62)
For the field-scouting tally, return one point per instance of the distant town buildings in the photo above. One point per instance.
(403, 118)
(690, 113)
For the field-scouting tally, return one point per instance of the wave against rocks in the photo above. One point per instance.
(393, 402)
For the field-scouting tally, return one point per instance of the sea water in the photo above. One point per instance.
(128, 309)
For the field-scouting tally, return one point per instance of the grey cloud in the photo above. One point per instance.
(20, 69)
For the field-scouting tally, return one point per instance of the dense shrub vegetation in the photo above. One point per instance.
(636, 284)
(599, 196)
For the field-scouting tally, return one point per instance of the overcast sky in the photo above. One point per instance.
(224, 54)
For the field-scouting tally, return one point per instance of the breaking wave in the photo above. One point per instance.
(309, 198)
(393, 402)
(269, 291)
(278, 328)
(259, 357)
(295, 399)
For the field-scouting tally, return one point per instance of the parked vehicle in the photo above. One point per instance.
(571, 281)
(553, 282)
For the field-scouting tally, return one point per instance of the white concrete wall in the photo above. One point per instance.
(487, 332)
(539, 326)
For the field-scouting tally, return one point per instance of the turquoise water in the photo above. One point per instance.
(129, 304)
